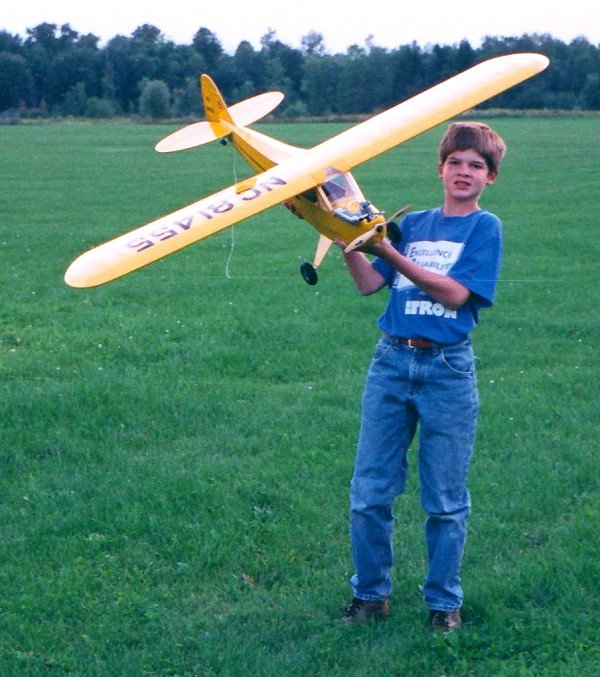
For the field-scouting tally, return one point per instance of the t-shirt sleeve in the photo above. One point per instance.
(478, 267)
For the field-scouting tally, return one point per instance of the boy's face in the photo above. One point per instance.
(465, 174)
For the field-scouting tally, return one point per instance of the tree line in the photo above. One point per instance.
(56, 71)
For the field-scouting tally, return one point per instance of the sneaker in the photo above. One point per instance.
(363, 611)
(444, 621)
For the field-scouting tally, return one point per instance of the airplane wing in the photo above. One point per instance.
(428, 109)
(181, 228)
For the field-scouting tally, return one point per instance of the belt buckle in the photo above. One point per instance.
(410, 344)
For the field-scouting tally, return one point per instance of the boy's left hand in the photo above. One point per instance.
(378, 248)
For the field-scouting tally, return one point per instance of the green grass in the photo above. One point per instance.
(177, 446)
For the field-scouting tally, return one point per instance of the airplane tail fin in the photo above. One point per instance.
(215, 107)
(220, 119)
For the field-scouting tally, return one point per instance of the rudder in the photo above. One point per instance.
(214, 104)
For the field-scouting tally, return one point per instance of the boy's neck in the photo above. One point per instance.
(459, 207)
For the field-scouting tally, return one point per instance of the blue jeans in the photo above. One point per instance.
(437, 389)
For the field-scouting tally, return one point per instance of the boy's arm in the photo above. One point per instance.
(366, 278)
(442, 288)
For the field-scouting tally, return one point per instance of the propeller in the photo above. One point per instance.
(390, 225)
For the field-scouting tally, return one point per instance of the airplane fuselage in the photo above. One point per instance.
(338, 191)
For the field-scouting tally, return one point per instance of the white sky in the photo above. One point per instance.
(391, 22)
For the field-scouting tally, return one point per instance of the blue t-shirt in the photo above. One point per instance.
(468, 249)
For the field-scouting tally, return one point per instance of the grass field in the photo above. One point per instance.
(177, 446)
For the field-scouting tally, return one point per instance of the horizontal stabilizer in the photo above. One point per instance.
(256, 107)
(192, 136)
(220, 118)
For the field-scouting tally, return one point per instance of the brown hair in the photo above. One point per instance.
(481, 138)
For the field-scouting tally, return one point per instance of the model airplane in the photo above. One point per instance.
(315, 183)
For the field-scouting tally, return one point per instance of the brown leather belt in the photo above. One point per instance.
(416, 343)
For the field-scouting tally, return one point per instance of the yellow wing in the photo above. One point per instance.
(428, 109)
(181, 228)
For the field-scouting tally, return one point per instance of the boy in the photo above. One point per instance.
(444, 270)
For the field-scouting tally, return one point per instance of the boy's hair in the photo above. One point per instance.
(477, 136)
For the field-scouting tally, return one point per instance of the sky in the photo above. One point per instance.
(390, 22)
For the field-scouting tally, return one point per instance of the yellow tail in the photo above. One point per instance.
(220, 120)
(214, 104)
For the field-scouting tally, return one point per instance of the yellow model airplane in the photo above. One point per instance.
(315, 183)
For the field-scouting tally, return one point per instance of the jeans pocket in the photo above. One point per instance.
(381, 350)
(459, 360)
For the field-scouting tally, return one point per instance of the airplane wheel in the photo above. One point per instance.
(309, 273)
(394, 232)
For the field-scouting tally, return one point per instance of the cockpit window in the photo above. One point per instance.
(339, 191)
(337, 188)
